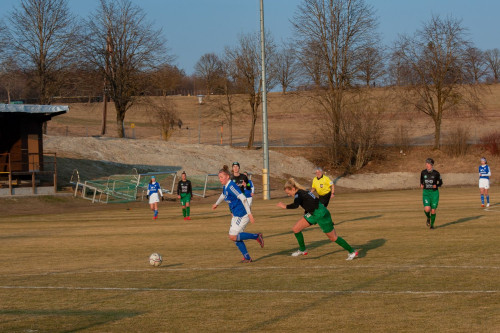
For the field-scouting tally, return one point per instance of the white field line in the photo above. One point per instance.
(335, 267)
(254, 291)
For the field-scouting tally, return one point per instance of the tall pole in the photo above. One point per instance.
(266, 190)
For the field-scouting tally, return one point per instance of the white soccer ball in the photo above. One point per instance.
(155, 259)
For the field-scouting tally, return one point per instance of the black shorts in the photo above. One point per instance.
(325, 199)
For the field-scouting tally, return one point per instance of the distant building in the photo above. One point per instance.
(24, 168)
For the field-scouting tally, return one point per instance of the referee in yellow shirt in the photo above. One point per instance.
(323, 186)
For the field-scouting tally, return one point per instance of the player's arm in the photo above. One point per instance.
(217, 203)
(190, 188)
(439, 181)
(244, 201)
(421, 180)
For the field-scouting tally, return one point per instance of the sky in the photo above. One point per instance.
(195, 27)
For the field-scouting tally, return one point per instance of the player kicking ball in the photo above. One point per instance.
(315, 213)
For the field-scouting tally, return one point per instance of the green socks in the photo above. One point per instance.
(188, 211)
(184, 212)
(344, 244)
(428, 214)
(300, 239)
(433, 218)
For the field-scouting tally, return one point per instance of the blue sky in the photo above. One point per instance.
(195, 27)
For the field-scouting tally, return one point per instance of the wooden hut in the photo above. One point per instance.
(22, 159)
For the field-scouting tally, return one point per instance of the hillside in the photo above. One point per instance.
(293, 141)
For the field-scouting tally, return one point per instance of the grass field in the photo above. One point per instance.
(89, 271)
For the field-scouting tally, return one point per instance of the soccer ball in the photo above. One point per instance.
(155, 259)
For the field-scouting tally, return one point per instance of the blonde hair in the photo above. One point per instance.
(292, 183)
(225, 169)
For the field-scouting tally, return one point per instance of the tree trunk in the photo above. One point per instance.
(120, 116)
(437, 133)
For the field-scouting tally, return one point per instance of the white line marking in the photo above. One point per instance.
(250, 291)
(336, 267)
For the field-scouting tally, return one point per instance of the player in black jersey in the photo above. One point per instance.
(185, 193)
(240, 179)
(430, 181)
(315, 213)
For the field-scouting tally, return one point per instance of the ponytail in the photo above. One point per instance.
(292, 183)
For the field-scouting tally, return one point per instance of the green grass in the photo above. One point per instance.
(89, 272)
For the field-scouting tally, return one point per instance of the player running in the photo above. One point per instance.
(240, 210)
(315, 213)
(430, 181)
(154, 193)
(323, 186)
(484, 181)
(185, 193)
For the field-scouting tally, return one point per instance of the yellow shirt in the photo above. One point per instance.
(322, 185)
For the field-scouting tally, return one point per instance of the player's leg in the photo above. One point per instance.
(297, 231)
(434, 206)
(238, 225)
(427, 207)
(482, 190)
(486, 193)
(188, 207)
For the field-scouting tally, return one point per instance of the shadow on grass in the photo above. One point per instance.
(288, 252)
(93, 318)
(360, 219)
(462, 220)
(371, 245)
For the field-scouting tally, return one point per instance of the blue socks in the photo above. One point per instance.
(243, 249)
(245, 235)
(488, 199)
(156, 213)
(482, 198)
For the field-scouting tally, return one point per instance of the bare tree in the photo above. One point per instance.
(134, 47)
(164, 114)
(493, 61)
(209, 69)
(248, 73)
(11, 77)
(287, 66)
(332, 33)
(166, 78)
(433, 72)
(371, 65)
(44, 37)
(475, 64)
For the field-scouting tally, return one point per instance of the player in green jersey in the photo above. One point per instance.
(430, 181)
(185, 193)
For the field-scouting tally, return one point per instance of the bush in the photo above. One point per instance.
(457, 142)
(491, 142)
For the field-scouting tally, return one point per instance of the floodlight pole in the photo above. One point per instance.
(266, 190)
(200, 101)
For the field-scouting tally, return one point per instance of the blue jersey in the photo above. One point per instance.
(231, 192)
(153, 188)
(249, 191)
(484, 171)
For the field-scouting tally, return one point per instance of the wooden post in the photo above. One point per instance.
(33, 182)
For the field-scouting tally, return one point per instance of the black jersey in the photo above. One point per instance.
(306, 199)
(184, 187)
(430, 178)
(242, 181)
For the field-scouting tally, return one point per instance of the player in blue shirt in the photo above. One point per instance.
(484, 181)
(154, 193)
(240, 210)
